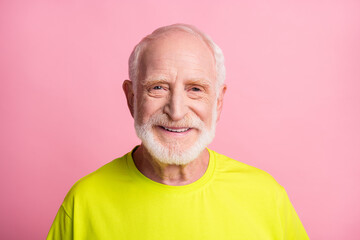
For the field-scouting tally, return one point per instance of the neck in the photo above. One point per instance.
(170, 174)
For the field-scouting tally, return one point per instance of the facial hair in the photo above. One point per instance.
(173, 152)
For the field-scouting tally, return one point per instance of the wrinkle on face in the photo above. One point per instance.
(178, 79)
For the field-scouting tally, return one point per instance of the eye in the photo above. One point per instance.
(157, 88)
(195, 89)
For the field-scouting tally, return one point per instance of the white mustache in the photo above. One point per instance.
(189, 121)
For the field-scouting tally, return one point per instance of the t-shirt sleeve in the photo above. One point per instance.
(291, 224)
(62, 227)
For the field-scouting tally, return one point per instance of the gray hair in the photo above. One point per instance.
(139, 48)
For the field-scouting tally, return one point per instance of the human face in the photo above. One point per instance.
(176, 105)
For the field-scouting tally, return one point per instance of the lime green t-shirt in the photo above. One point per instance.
(230, 201)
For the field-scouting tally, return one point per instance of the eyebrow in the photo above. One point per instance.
(155, 80)
(199, 81)
(164, 80)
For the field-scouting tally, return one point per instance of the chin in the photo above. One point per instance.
(173, 153)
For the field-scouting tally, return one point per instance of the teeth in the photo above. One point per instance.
(176, 130)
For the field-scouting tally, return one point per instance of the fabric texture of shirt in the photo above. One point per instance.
(231, 200)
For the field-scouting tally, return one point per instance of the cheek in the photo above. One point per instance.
(147, 108)
(205, 113)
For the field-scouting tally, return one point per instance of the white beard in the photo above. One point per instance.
(173, 152)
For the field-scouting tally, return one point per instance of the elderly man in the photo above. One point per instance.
(172, 186)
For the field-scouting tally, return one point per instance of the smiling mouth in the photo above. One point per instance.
(176, 130)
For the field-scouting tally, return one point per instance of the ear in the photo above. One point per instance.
(220, 100)
(129, 93)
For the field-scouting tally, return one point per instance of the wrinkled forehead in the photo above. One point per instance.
(178, 48)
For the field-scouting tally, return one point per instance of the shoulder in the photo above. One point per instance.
(98, 182)
(243, 174)
(114, 169)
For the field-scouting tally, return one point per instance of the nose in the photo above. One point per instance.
(176, 107)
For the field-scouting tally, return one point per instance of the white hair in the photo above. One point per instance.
(136, 54)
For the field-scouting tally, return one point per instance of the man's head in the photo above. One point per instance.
(176, 92)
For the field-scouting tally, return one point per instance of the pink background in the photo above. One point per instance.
(292, 106)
